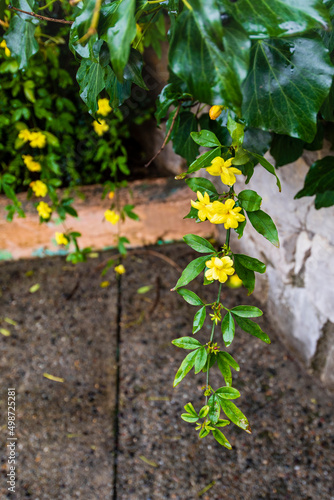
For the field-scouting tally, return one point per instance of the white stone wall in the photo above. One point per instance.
(298, 285)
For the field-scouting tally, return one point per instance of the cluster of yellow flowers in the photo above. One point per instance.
(39, 188)
(224, 168)
(111, 216)
(219, 269)
(103, 109)
(44, 210)
(36, 139)
(61, 239)
(31, 164)
(218, 212)
(3, 45)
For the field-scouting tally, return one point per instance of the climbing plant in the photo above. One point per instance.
(263, 69)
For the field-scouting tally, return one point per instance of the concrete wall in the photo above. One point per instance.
(298, 284)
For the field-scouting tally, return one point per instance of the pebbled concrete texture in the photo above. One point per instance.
(68, 440)
(298, 284)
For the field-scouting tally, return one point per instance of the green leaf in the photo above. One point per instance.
(189, 418)
(202, 185)
(247, 311)
(201, 359)
(287, 82)
(214, 411)
(203, 432)
(268, 166)
(227, 393)
(222, 423)
(204, 411)
(120, 35)
(264, 225)
(228, 329)
(257, 140)
(226, 357)
(185, 367)
(236, 131)
(187, 343)
(190, 409)
(205, 58)
(246, 275)
(193, 269)
(320, 181)
(253, 328)
(221, 439)
(90, 77)
(286, 149)
(20, 39)
(224, 369)
(251, 263)
(235, 415)
(133, 69)
(198, 243)
(182, 142)
(277, 17)
(205, 138)
(190, 297)
(118, 92)
(249, 200)
(199, 319)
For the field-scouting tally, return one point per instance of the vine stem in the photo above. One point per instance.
(62, 21)
(167, 136)
(94, 23)
(227, 242)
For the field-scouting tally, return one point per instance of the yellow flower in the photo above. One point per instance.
(222, 167)
(104, 284)
(25, 135)
(44, 210)
(234, 281)
(100, 128)
(225, 213)
(61, 239)
(111, 195)
(219, 269)
(39, 188)
(215, 111)
(3, 45)
(31, 165)
(203, 206)
(37, 140)
(104, 107)
(119, 269)
(111, 216)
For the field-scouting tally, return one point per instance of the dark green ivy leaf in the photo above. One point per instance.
(319, 181)
(90, 77)
(292, 77)
(20, 39)
(270, 18)
(182, 142)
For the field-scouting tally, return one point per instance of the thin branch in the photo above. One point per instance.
(94, 22)
(167, 136)
(62, 21)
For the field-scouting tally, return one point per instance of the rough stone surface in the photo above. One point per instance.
(298, 284)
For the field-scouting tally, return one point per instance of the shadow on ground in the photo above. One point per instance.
(67, 447)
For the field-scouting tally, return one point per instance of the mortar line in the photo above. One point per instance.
(117, 395)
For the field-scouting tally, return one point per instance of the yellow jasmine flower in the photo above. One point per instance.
(100, 128)
(37, 140)
(44, 210)
(222, 167)
(215, 111)
(111, 195)
(39, 188)
(31, 165)
(104, 284)
(119, 269)
(104, 107)
(111, 216)
(234, 281)
(203, 206)
(3, 45)
(225, 213)
(61, 239)
(25, 134)
(219, 269)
